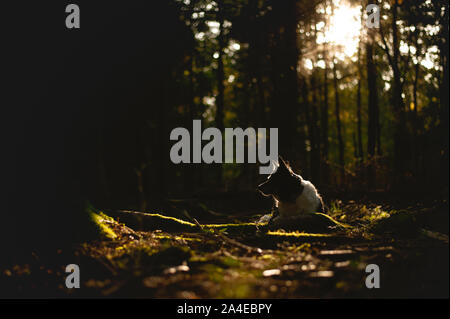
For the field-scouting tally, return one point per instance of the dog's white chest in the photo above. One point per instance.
(306, 203)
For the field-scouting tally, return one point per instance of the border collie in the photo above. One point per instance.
(293, 196)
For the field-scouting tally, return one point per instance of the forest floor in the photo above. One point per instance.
(239, 259)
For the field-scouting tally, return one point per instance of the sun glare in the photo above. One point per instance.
(342, 30)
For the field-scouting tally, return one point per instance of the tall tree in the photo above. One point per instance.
(314, 138)
(337, 113)
(220, 69)
(359, 145)
(324, 123)
(372, 99)
(284, 58)
(392, 51)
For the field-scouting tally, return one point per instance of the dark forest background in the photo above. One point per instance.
(87, 113)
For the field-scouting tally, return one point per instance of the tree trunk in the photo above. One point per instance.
(359, 151)
(416, 129)
(220, 81)
(315, 149)
(338, 124)
(220, 70)
(400, 133)
(310, 131)
(372, 100)
(284, 74)
(444, 86)
(324, 126)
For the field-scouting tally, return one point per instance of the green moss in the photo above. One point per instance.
(168, 237)
(310, 223)
(104, 229)
(296, 234)
(99, 227)
(215, 273)
(230, 262)
(376, 214)
(332, 220)
(335, 208)
(236, 291)
(233, 228)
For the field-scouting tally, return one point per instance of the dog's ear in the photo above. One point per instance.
(274, 166)
(281, 163)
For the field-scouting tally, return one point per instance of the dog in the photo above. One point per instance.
(293, 196)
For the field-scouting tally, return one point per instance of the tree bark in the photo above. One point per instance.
(220, 71)
(337, 113)
(359, 152)
(315, 149)
(324, 126)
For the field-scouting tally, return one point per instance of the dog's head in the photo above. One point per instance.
(283, 184)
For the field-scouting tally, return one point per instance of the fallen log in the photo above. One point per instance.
(318, 223)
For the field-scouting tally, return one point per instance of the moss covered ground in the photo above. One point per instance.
(152, 255)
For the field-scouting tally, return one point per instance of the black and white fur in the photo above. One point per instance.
(293, 196)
